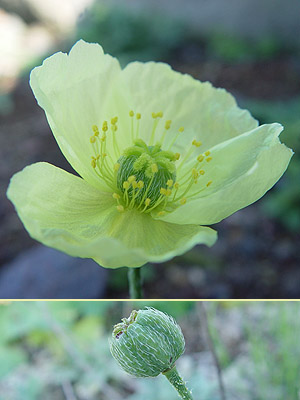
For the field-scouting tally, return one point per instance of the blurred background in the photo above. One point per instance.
(59, 351)
(251, 48)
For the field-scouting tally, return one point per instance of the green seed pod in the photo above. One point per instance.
(147, 343)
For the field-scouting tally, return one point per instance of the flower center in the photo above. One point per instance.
(148, 177)
(146, 173)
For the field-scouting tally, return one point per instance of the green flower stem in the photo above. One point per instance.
(175, 379)
(135, 283)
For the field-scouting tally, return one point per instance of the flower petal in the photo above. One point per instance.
(64, 212)
(76, 92)
(207, 113)
(248, 176)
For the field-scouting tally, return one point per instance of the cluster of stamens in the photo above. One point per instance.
(146, 177)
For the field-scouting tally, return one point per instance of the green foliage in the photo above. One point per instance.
(283, 202)
(275, 351)
(235, 48)
(131, 35)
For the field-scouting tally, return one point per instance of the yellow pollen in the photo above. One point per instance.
(209, 183)
(168, 124)
(138, 116)
(131, 113)
(93, 163)
(160, 114)
(183, 201)
(104, 155)
(114, 120)
(147, 201)
(95, 130)
(168, 192)
(176, 186)
(161, 213)
(92, 139)
(195, 173)
(131, 179)
(170, 182)
(120, 208)
(116, 196)
(114, 128)
(195, 143)
(154, 168)
(116, 166)
(207, 153)
(181, 129)
(153, 115)
(209, 159)
(140, 184)
(163, 191)
(103, 137)
(200, 158)
(201, 172)
(134, 184)
(126, 185)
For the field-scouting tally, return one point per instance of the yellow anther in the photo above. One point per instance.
(183, 201)
(93, 163)
(126, 185)
(163, 191)
(131, 113)
(131, 179)
(200, 158)
(147, 201)
(168, 124)
(114, 120)
(140, 184)
(201, 172)
(195, 173)
(92, 139)
(95, 130)
(168, 192)
(209, 183)
(120, 208)
(134, 184)
(177, 156)
(116, 167)
(103, 137)
(207, 153)
(176, 186)
(104, 126)
(114, 128)
(98, 156)
(181, 129)
(196, 143)
(154, 168)
(160, 114)
(116, 196)
(153, 115)
(138, 116)
(209, 159)
(161, 213)
(104, 155)
(170, 182)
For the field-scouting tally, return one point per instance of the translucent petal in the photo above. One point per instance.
(64, 212)
(250, 176)
(76, 91)
(207, 114)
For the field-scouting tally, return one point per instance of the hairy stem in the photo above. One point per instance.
(135, 283)
(175, 379)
